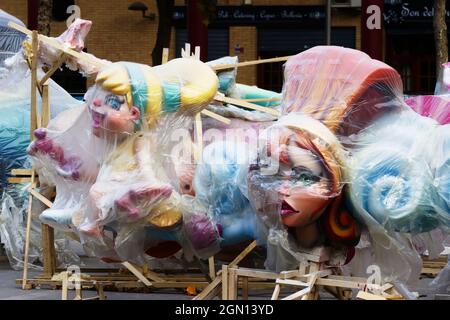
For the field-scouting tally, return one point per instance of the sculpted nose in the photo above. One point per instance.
(97, 103)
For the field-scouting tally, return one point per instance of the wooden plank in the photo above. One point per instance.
(243, 254)
(52, 70)
(45, 105)
(34, 61)
(19, 180)
(292, 282)
(55, 44)
(212, 268)
(65, 285)
(224, 282)
(216, 116)
(48, 250)
(232, 284)
(40, 197)
(165, 55)
(276, 292)
(262, 99)
(298, 294)
(368, 296)
(137, 273)
(253, 273)
(246, 104)
(153, 276)
(341, 283)
(27, 237)
(244, 288)
(250, 63)
(22, 172)
(210, 288)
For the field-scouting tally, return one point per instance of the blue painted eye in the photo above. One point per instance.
(113, 101)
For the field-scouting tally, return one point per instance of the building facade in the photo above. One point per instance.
(252, 29)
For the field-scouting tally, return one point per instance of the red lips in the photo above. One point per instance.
(286, 209)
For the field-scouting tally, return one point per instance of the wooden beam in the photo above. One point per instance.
(165, 55)
(27, 238)
(224, 282)
(55, 44)
(246, 104)
(40, 197)
(19, 180)
(48, 250)
(262, 99)
(249, 63)
(45, 105)
(368, 296)
(56, 65)
(137, 273)
(243, 254)
(208, 291)
(34, 61)
(22, 172)
(216, 116)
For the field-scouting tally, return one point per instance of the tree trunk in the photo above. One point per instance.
(440, 34)
(44, 17)
(165, 12)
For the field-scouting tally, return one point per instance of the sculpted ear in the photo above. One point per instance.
(135, 113)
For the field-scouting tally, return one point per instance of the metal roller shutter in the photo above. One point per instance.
(218, 42)
(297, 40)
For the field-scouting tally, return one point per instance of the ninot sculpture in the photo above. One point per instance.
(126, 187)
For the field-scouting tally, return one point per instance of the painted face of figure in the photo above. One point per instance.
(111, 114)
(301, 185)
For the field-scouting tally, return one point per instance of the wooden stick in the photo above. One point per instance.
(21, 172)
(368, 296)
(246, 104)
(211, 288)
(212, 267)
(65, 285)
(55, 44)
(276, 292)
(137, 273)
(249, 63)
(19, 179)
(243, 254)
(224, 282)
(298, 294)
(244, 288)
(40, 197)
(216, 116)
(45, 105)
(27, 237)
(56, 65)
(262, 99)
(232, 284)
(34, 60)
(165, 55)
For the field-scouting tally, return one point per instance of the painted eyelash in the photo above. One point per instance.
(114, 101)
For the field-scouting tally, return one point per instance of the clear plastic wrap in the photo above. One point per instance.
(393, 186)
(343, 88)
(295, 188)
(15, 108)
(111, 159)
(10, 39)
(435, 107)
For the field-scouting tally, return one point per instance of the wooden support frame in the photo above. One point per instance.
(311, 275)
